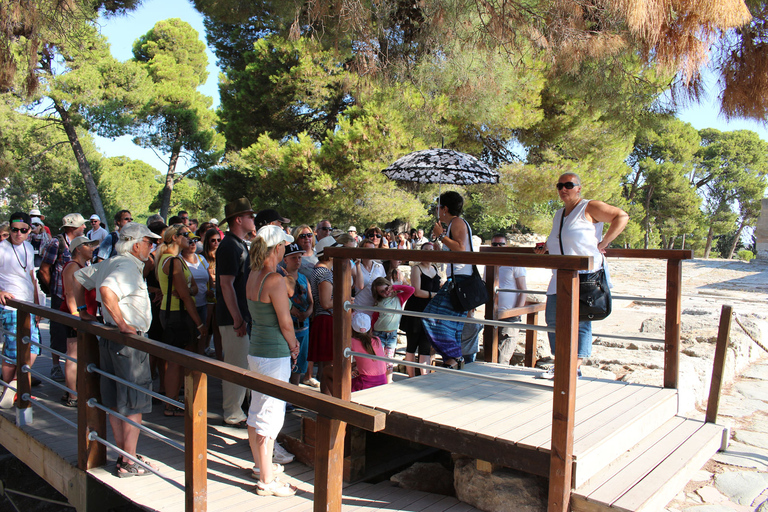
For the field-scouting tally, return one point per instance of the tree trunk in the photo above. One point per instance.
(82, 162)
(736, 238)
(170, 181)
(710, 239)
(683, 246)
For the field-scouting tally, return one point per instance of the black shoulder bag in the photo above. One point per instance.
(471, 292)
(594, 295)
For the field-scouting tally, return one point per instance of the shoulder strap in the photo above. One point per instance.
(169, 295)
(469, 235)
(560, 233)
(258, 297)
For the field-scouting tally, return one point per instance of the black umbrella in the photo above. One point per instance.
(441, 166)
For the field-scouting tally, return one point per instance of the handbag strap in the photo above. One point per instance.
(560, 233)
(170, 290)
(469, 235)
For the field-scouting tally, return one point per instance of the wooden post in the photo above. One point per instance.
(90, 454)
(329, 436)
(491, 333)
(672, 325)
(564, 396)
(23, 356)
(718, 368)
(195, 441)
(531, 340)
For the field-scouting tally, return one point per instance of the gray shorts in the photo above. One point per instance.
(129, 364)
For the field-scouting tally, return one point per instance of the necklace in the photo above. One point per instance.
(22, 265)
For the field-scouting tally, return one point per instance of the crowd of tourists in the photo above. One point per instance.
(253, 292)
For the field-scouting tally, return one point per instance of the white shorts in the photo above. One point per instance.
(267, 414)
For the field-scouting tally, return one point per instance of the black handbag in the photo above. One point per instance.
(595, 301)
(471, 292)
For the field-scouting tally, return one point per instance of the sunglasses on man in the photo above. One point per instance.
(498, 244)
(568, 185)
(24, 231)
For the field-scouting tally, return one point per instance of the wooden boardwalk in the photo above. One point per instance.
(230, 486)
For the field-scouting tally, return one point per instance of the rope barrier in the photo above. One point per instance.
(62, 355)
(35, 403)
(157, 435)
(93, 436)
(93, 369)
(621, 297)
(27, 369)
(494, 323)
(348, 352)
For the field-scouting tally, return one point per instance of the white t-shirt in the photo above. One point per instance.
(507, 280)
(199, 271)
(365, 296)
(17, 263)
(97, 234)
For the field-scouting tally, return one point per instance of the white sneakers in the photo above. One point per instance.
(281, 456)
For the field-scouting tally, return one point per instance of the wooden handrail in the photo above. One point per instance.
(656, 254)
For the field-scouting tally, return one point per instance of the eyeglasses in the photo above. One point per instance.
(305, 235)
(326, 228)
(568, 185)
(498, 244)
(94, 221)
(215, 240)
(24, 231)
(184, 218)
(186, 234)
(127, 219)
(373, 235)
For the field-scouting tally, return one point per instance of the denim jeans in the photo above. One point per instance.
(585, 329)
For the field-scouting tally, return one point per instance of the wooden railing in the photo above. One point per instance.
(332, 413)
(566, 336)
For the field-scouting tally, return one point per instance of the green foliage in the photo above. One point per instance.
(127, 184)
(745, 255)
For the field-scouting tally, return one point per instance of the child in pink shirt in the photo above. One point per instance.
(366, 373)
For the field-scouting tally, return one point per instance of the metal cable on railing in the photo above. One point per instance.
(26, 369)
(157, 435)
(62, 355)
(494, 323)
(348, 352)
(36, 403)
(621, 297)
(93, 369)
(93, 436)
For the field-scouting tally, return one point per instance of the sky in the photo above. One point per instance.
(122, 31)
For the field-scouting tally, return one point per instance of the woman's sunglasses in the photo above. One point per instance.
(373, 235)
(215, 240)
(24, 231)
(568, 185)
(305, 235)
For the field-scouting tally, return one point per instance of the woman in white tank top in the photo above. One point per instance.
(445, 335)
(581, 234)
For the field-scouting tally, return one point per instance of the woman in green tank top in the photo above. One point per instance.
(272, 347)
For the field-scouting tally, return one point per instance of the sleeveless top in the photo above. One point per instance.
(428, 284)
(162, 278)
(580, 238)
(91, 306)
(267, 339)
(459, 269)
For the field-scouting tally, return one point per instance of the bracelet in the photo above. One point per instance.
(82, 308)
(241, 324)
(200, 326)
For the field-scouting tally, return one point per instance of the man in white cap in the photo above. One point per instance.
(97, 231)
(55, 255)
(122, 291)
(352, 231)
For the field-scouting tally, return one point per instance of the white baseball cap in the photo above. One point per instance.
(361, 322)
(95, 217)
(274, 235)
(328, 241)
(136, 231)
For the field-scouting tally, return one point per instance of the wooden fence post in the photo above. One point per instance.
(23, 356)
(564, 393)
(196, 441)
(491, 333)
(718, 368)
(672, 324)
(90, 454)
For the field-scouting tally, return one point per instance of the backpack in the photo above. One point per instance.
(46, 286)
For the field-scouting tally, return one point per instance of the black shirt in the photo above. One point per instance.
(232, 260)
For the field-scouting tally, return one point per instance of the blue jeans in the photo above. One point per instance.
(388, 339)
(585, 329)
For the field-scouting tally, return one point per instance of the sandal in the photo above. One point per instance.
(458, 364)
(172, 410)
(125, 470)
(68, 402)
(276, 469)
(275, 488)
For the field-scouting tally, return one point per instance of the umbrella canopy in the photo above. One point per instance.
(441, 166)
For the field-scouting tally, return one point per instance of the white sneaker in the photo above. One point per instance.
(312, 382)
(57, 374)
(549, 374)
(280, 455)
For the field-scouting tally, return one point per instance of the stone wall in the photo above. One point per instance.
(761, 232)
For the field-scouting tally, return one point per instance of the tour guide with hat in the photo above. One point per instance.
(270, 216)
(232, 270)
(56, 254)
(17, 281)
(122, 291)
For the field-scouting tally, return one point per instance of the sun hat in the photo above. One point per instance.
(293, 249)
(136, 231)
(361, 322)
(235, 208)
(36, 213)
(351, 228)
(214, 221)
(80, 240)
(95, 217)
(268, 216)
(73, 220)
(325, 242)
(274, 235)
(37, 222)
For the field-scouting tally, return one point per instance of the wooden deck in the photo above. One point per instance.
(53, 446)
(510, 423)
